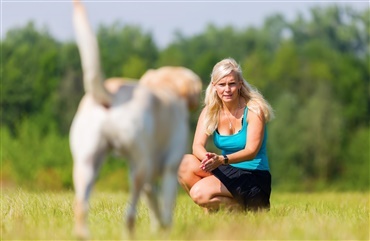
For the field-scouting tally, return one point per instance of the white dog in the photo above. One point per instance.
(146, 121)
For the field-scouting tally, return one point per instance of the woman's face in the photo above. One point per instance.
(227, 88)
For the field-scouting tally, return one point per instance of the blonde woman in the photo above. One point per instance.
(235, 117)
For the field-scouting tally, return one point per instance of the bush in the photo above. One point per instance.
(34, 159)
(41, 160)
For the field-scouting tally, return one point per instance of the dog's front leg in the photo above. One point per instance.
(137, 183)
(169, 194)
(151, 194)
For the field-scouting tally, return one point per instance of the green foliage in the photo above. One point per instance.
(134, 68)
(314, 72)
(124, 46)
(29, 72)
(69, 91)
(355, 171)
(36, 160)
(39, 160)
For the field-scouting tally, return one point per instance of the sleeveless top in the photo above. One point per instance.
(229, 144)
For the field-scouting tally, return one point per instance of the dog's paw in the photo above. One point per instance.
(82, 233)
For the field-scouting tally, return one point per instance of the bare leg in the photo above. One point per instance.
(211, 194)
(189, 172)
(205, 189)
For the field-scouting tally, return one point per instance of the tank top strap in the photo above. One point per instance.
(245, 116)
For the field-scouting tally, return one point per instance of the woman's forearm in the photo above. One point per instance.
(199, 151)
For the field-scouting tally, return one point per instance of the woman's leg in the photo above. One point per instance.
(210, 193)
(204, 188)
(189, 172)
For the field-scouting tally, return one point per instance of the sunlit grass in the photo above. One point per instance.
(311, 216)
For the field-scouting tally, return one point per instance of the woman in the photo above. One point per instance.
(235, 114)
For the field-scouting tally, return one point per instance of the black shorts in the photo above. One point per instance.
(251, 188)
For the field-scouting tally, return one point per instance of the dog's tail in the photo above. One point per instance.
(90, 56)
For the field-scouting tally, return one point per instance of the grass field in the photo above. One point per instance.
(293, 216)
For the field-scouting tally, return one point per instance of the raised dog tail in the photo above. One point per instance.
(90, 56)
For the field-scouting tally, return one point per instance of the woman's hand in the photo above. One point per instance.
(210, 162)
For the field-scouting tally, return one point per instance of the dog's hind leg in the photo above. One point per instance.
(88, 149)
(84, 173)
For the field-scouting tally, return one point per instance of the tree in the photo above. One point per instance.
(30, 72)
(120, 45)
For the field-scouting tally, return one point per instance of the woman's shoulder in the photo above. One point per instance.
(203, 112)
(254, 110)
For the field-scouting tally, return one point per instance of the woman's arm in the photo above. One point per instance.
(255, 133)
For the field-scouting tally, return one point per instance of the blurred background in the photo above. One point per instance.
(310, 61)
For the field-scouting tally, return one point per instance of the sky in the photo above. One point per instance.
(161, 18)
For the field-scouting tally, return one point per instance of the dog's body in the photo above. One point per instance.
(147, 122)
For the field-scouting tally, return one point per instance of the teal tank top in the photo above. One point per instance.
(232, 143)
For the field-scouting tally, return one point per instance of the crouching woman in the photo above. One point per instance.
(235, 117)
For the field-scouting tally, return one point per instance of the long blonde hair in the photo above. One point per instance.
(254, 99)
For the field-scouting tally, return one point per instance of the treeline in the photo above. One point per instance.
(314, 71)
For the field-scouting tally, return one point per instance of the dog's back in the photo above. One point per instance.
(151, 120)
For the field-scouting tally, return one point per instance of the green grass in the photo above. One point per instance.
(311, 216)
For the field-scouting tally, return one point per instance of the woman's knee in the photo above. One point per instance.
(186, 165)
(197, 194)
(185, 175)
